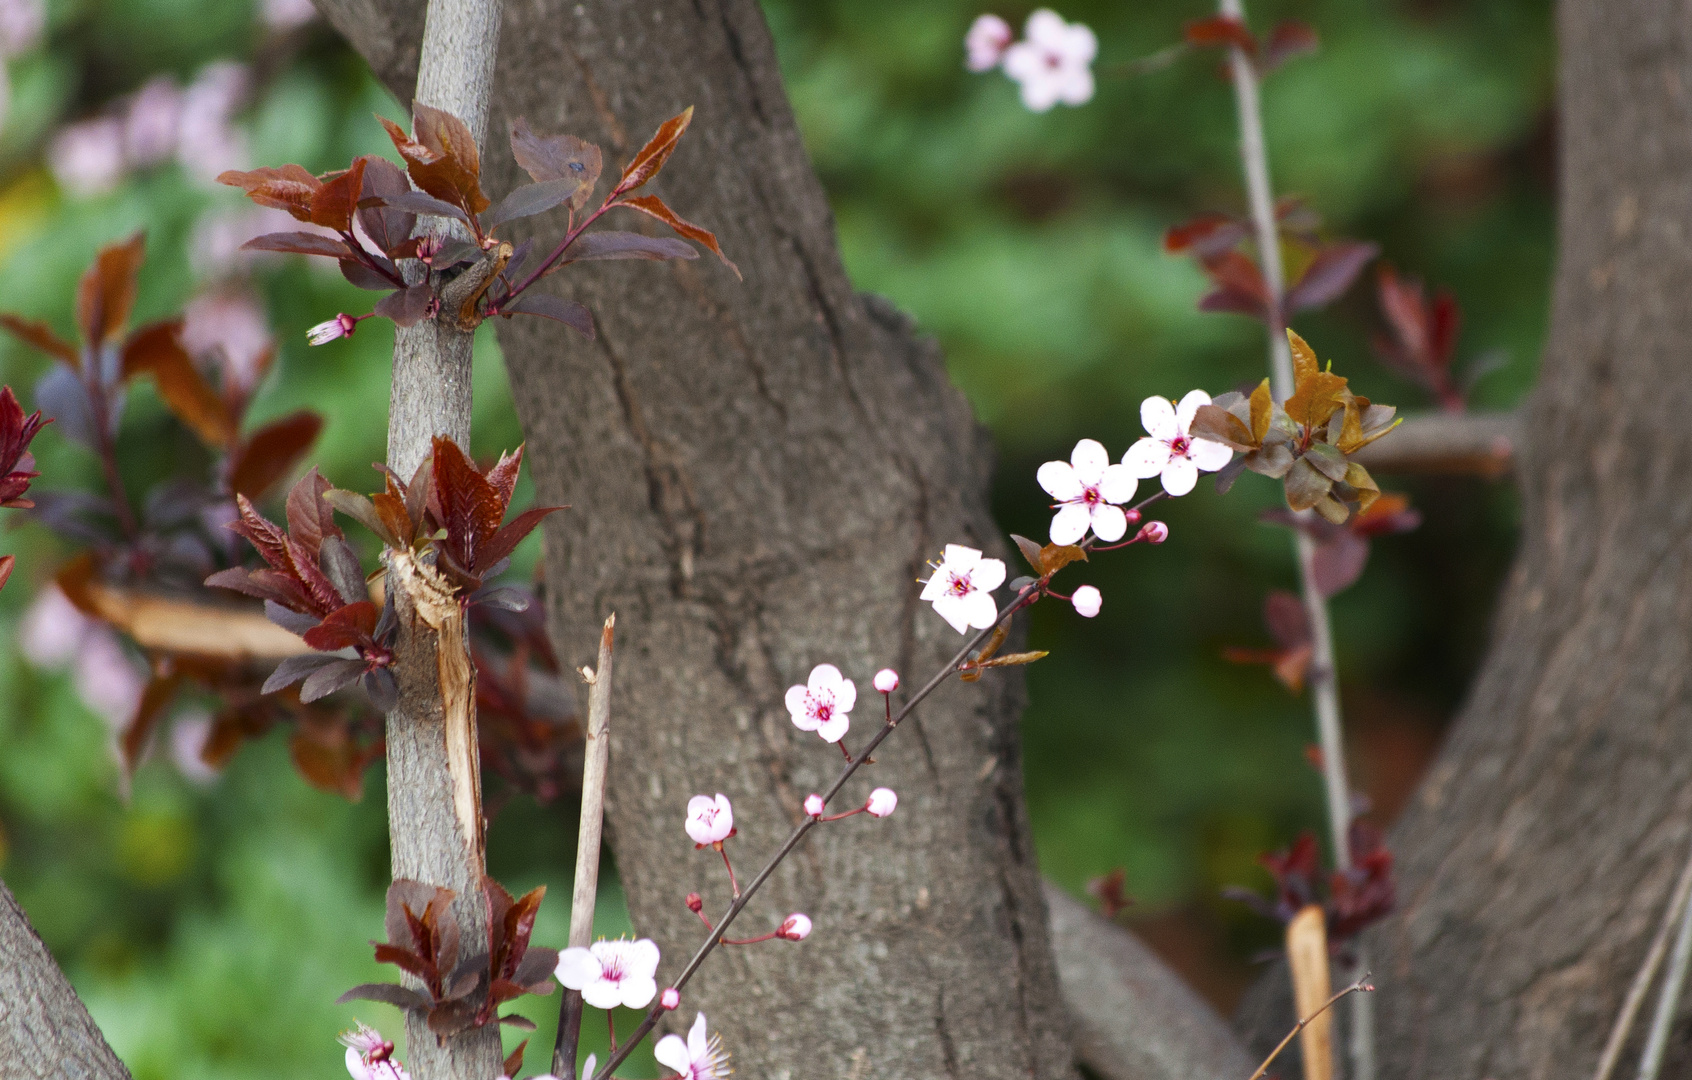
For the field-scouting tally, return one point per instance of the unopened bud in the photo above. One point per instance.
(1154, 532)
(881, 802)
(1132, 515)
(670, 998)
(813, 805)
(887, 680)
(1087, 601)
(694, 903)
(796, 927)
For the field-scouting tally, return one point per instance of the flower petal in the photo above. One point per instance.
(1180, 475)
(951, 608)
(602, 994)
(959, 558)
(1118, 484)
(698, 1041)
(1110, 524)
(1070, 524)
(979, 610)
(799, 707)
(989, 574)
(637, 993)
(1058, 478)
(1075, 87)
(1189, 406)
(356, 1065)
(825, 679)
(1045, 28)
(834, 728)
(932, 590)
(671, 1051)
(640, 957)
(846, 696)
(577, 967)
(1147, 457)
(1209, 456)
(1089, 459)
(1157, 415)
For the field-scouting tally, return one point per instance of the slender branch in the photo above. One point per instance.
(1475, 444)
(596, 759)
(1647, 972)
(1358, 987)
(1668, 999)
(1324, 684)
(107, 451)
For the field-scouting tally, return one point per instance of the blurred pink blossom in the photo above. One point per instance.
(21, 23)
(986, 42)
(150, 125)
(284, 15)
(1053, 62)
(229, 329)
(208, 142)
(188, 733)
(86, 158)
(54, 634)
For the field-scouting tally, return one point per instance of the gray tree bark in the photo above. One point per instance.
(1545, 839)
(45, 1032)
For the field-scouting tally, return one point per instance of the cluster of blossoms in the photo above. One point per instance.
(1052, 63)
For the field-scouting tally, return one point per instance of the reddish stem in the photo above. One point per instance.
(724, 853)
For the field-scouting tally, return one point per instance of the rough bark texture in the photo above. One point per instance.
(44, 1030)
(1544, 842)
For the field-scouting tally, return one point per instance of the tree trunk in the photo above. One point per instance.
(1536, 860)
(44, 1029)
(758, 471)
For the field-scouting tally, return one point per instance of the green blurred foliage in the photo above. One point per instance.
(211, 926)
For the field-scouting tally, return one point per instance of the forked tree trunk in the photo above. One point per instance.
(758, 471)
(1537, 858)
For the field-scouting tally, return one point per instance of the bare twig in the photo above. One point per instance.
(1668, 999)
(1324, 681)
(596, 758)
(1361, 986)
(1474, 444)
(1647, 972)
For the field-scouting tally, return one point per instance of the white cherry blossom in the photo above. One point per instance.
(1087, 601)
(612, 973)
(1053, 62)
(822, 704)
(709, 821)
(699, 1057)
(1086, 487)
(961, 586)
(986, 41)
(1168, 450)
(887, 680)
(881, 802)
(369, 1056)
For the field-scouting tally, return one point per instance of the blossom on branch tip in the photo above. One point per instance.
(887, 680)
(986, 42)
(1085, 487)
(670, 998)
(960, 586)
(699, 1057)
(822, 705)
(612, 973)
(1053, 62)
(369, 1056)
(813, 805)
(340, 326)
(881, 802)
(709, 821)
(796, 927)
(1168, 450)
(1153, 532)
(1087, 601)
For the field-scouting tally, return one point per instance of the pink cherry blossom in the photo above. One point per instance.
(700, 1057)
(887, 680)
(87, 158)
(334, 329)
(1167, 449)
(207, 141)
(369, 1056)
(823, 704)
(986, 41)
(813, 805)
(881, 802)
(709, 821)
(149, 127)
(1086, 487)
(21, 22)
(227, 331)
(796, 927)
(284, 15)
(961, 586)
(612, 973)
(670, 998)
(1053, 62)
(1087, 601)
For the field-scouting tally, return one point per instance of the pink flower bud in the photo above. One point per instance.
(670, 998)
(881, 802)
(1154, 532)
(887, 680)
(694, 903)
(1132, 515)
(797, 927)
(1087, 601)
(813, 805)
(340, 326)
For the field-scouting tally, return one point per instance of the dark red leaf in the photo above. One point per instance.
(288, 188)
(299, 243)
(652, 204)
(310, 517)
(106, 294)
(441, 156)
(503, 476)
(1329, 275)
(514, 1060)
(1205, 235)
(387, 227)
(655, 153)
(405, 306)
(468, 506)
(365, 278)
(333, 203)
(271, 452)
(1219, 30)
(612, 244)
(406, 961)
(155, 697)
(534, 302)
(506, 540)
(1287, 40)
(529, 200)
(347, 627)
(390, 994)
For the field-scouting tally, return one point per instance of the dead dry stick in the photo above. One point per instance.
(1668, 999)
(1361, 986)
(1647, 973)
(1307, 956)
(596, 759)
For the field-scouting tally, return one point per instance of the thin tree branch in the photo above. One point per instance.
(1475, 444)
(596, 759)
(1358, 987)
(1668, 999)
(1647, 972)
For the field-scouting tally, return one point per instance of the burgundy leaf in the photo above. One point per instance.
(533, 302)
(1329, 275)
(405, 306)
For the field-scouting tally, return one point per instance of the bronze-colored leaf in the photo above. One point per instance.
(1054, 557)
(441, 156)
(106, 294)
(271, 452)
(514, 1060)
(1013, 659)
(1262, 406)
(336, 199)
(1304, 359)
(1220, 425)
(288, 188)
(1030, 551)
(1305, 485)
(557, 157)
(1320, 394)
(41, 336)
(1358, 479)
(157, 350)
(652, 204)
(155, 696)
(652, 156)
(1326, 460)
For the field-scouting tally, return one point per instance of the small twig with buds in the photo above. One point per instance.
(1360, 986)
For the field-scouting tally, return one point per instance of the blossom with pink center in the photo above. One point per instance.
(1053, 62)
(796, 927)
(822, 705)
(612, 973)
(329, 330)
(881, 802)
(670, 998)
(699, 1057)
(1087, 601)
(1086, 487)
(986, 42)
(813, 805)
(709, 821)
(887, 680)
(1168, 450)
(369, 1056)
(961, 588)
(86, 159)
